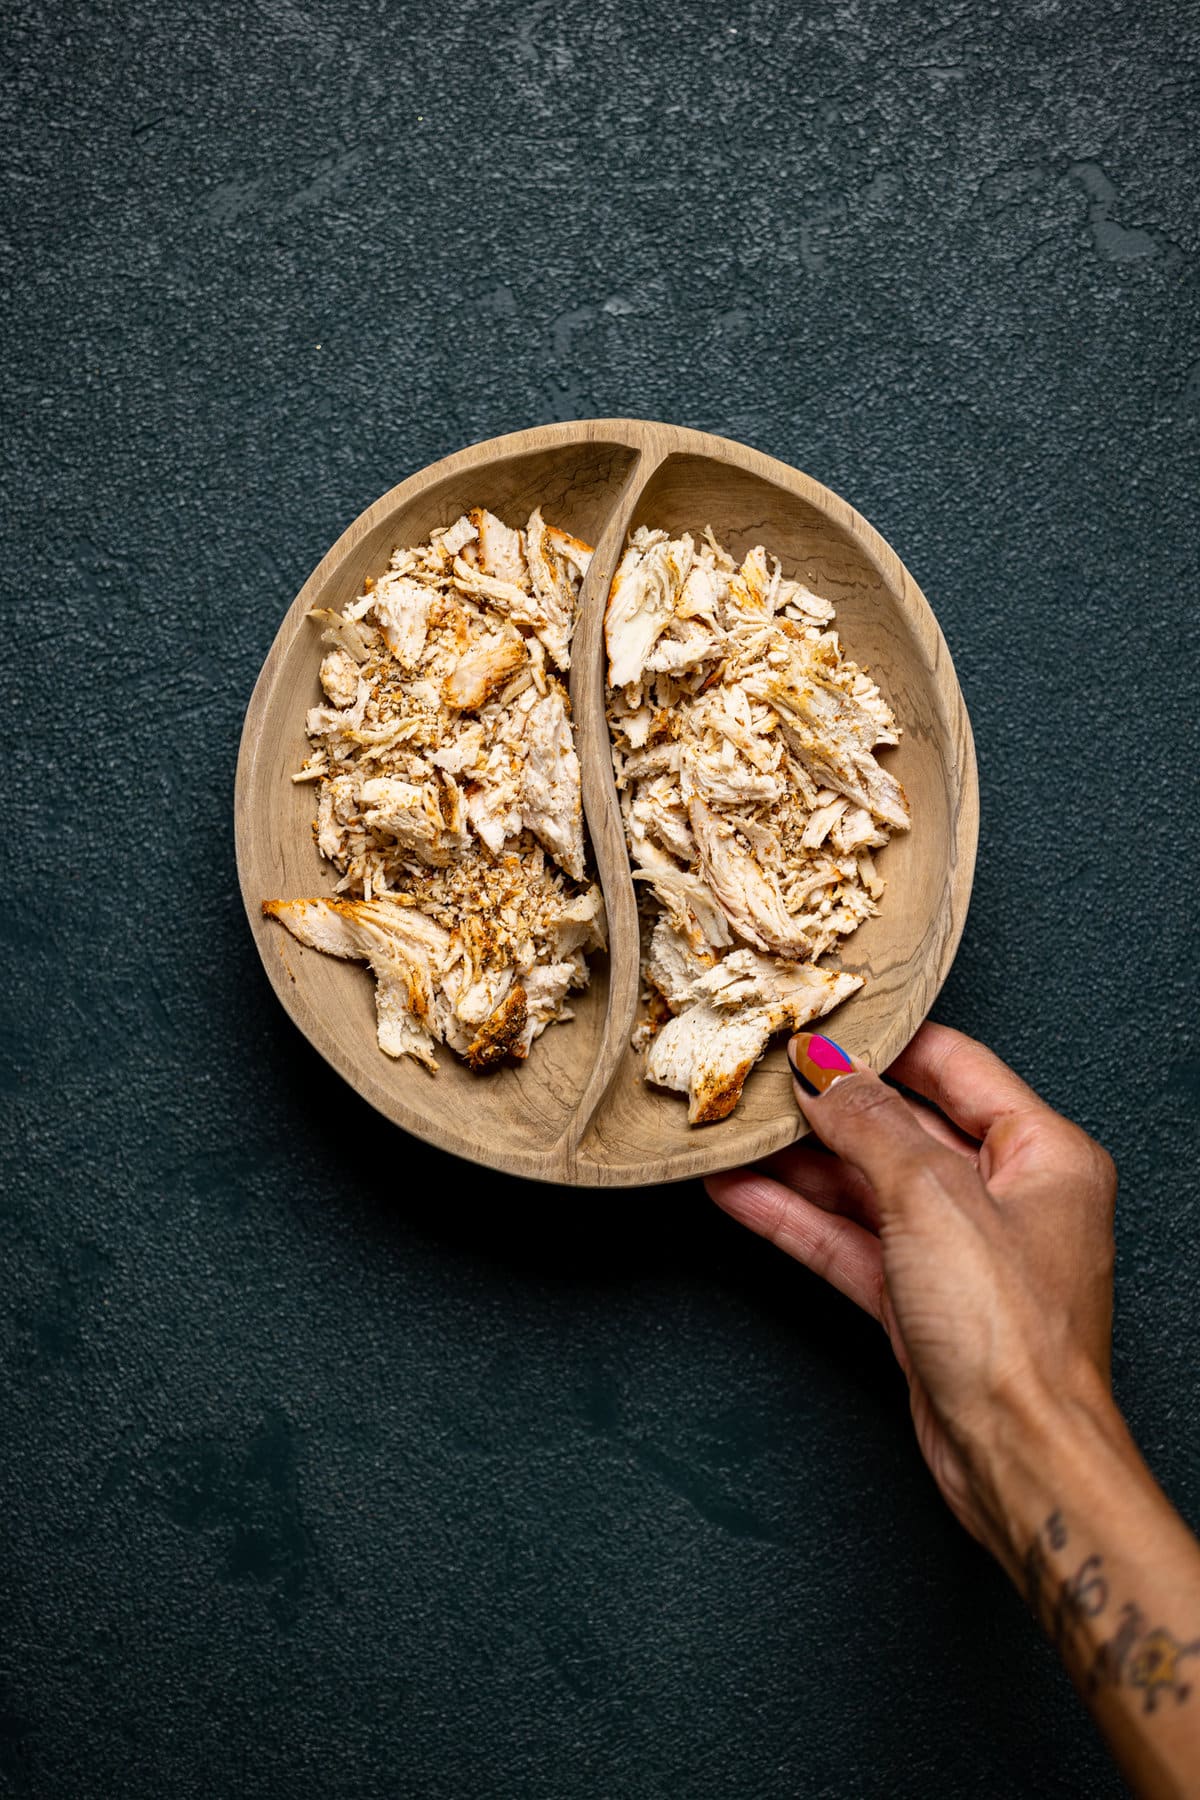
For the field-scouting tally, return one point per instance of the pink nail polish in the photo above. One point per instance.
(817, 1062)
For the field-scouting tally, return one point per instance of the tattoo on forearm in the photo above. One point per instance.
(1132, 1656)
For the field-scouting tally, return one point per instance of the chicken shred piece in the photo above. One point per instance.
(642, 601)
(746, 894)
(403, 947)
(483, 671)
(339, 677)
(402, 608)
(554, 591)
(413, 817)
(501, 551)
(550, 782)
(570, 550)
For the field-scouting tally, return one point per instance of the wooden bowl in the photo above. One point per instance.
(578, 1111)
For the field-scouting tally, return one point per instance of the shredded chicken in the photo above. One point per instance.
(743, 742)
(448, 792)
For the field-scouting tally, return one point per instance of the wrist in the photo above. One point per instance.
(1044, 1446)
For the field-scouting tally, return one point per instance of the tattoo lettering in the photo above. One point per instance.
(1148, 1660)
(1081, 1596)
(1109, 1662)
(1078, 1597)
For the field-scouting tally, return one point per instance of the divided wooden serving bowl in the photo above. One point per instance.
(578, 1111)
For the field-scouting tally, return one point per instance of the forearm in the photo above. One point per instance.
(1111, 1572)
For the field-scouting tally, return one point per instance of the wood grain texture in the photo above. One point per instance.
(578, 1111)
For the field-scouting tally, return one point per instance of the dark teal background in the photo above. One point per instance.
(331, 1467)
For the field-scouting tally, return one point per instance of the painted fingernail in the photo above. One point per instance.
(817, 1062)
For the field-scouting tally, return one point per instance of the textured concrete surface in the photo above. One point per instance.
(328, 1471)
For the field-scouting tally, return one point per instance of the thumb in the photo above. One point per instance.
(868, 1125)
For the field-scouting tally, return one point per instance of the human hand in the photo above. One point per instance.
(976, 1228)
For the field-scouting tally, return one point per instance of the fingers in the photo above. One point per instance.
(941, 1130)
(825, 1180)
(1042, 1151)
(838, 1250)
(966, 1080)
(874, 1130)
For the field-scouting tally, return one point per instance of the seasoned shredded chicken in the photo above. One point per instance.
(448, 792)
(744, 744)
